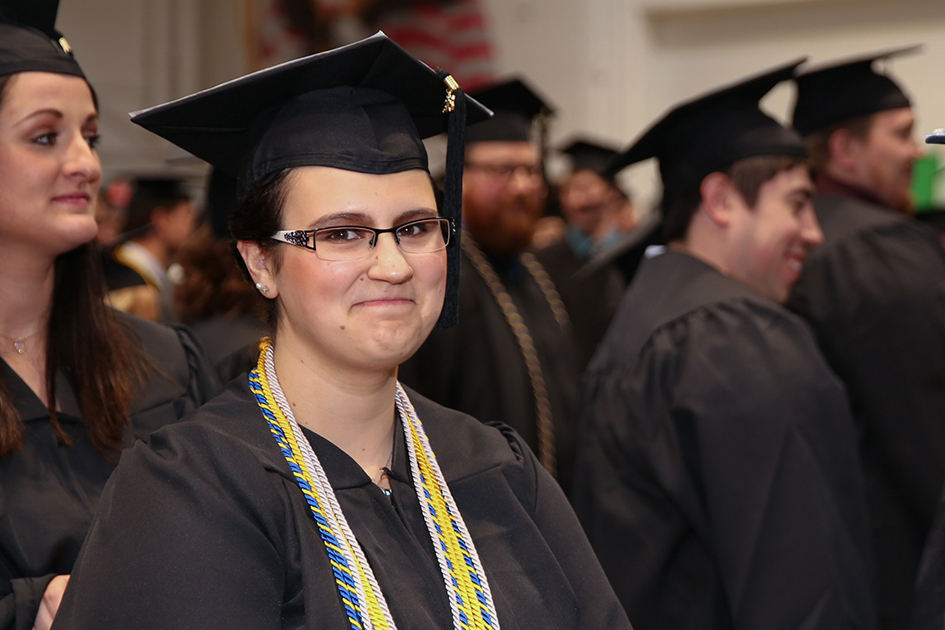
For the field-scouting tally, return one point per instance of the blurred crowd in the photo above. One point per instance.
(726, 411)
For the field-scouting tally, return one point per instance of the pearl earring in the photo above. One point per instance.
(264, 289)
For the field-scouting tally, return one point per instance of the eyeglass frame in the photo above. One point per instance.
(300, 238)
(505, 172)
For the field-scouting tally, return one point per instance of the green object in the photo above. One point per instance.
(924, 182)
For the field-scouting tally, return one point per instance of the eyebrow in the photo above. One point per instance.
(807, 193)
(93, 117)
(338, 219)
(41, 112)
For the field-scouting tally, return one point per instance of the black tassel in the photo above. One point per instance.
(453, 203)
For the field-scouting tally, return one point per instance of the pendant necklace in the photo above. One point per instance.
(20, 344)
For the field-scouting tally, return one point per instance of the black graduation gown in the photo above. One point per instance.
(591, 301)
(49, 492)
(222, 335)
(928, 610)
(874, 294)
(207, 528)
(716, 475)
(477, 367)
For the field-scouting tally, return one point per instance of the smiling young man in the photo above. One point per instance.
(874, 294)
(716, 474)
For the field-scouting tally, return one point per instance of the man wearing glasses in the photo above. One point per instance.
(511, 358)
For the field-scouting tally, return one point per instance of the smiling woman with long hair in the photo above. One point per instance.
(77, 381)
(317, 492)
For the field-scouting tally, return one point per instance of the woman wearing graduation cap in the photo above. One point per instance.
(317, 492)
(78, 382)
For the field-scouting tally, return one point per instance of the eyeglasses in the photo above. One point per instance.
(506, 171)
(352, 242)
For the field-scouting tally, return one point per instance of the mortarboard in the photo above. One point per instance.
(29, 41)
(588, 155)
(220, 200)
(709, 133)
(936, 137)
(516, 107)
(364, 107)
(846, 90)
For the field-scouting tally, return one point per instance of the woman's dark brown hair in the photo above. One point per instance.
(91, 346)
(256, 217)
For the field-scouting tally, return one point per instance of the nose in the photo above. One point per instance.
(82, 161)
(388, 262)
(524, 181)
(917, 151)
(811, 233)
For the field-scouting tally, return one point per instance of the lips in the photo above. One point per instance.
(77, 197)
(385, 301)
(795, 263)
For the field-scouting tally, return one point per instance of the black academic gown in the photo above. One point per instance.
(49, 492)
(928, 609)
(590, 301)
(717, 476)
(207, 528)
(874, 293)
(477, 367)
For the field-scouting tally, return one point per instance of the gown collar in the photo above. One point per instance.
(28, 404)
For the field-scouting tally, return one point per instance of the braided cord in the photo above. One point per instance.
(471, 602)
(361, 597)
(547, 452)
(548, 289)
(468, 590)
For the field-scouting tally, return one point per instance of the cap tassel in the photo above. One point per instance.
(453, 194)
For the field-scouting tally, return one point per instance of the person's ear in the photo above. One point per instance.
(259, 264)
(719, 198)
(844, 149)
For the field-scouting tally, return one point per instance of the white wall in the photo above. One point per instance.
(139, 53)
(610, 66)
(632, 59)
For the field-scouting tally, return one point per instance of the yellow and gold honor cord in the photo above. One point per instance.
(470, 597)
(363, 601)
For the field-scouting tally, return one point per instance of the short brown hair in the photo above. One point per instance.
(818, 142)
(747, 175)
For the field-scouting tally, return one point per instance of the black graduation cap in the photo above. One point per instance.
(516, 107)
(846, 90)
(589, 155)
(709, 133)
(363, 107)
(936, 137)
(29, 41)
(220, 200)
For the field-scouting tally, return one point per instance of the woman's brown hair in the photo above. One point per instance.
(89, 344)
(256, 217)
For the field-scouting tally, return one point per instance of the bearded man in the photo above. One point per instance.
(512, 357)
